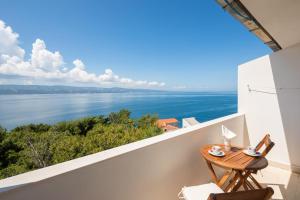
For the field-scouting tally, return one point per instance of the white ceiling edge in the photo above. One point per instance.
(280, 18)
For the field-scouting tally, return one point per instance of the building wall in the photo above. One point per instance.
(185, 124)
(269, 95)
(173, 124)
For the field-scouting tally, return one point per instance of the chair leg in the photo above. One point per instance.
(245, 185)
(249, 185)
(255, 182)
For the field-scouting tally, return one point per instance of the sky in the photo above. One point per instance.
(186, 45)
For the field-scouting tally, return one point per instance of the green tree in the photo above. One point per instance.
(147, 121)
(66, 148)
(121, 117)
(78, 127)
(2, 133)
(35, 146)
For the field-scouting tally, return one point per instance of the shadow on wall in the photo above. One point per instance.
(246, 139)
(286, 73)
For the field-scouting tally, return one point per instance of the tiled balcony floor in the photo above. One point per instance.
(286, 185)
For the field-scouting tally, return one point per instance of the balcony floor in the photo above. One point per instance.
(286, 185)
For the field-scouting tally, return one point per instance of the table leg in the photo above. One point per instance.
(232, 182)
(212, 172)
(243, 180)
(239, 183)
(224, 178)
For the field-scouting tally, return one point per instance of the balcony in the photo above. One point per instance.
(154, 168)
(158, 167)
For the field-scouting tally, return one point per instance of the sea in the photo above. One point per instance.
(16, 110)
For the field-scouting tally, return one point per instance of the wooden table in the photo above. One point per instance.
(238, 166)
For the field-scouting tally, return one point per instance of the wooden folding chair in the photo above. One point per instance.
(258, 194)
(267, 143)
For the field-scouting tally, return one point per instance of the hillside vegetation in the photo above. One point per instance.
(35, 146)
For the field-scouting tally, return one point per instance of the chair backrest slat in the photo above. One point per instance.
(268, 145)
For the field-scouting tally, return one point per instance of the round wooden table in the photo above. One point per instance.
(238, 164)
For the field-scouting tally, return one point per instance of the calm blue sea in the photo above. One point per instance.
(17, 110)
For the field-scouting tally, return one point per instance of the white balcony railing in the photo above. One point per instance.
(154, 168)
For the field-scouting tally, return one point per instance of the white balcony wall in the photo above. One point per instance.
(155, 168)
(272, 105)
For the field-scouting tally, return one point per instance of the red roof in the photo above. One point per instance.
(168, 120)
(165, 122)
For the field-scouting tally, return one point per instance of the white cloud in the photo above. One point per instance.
(108, 76)
(9, 44)
(79, 64)
(43, 58)
(79, 74)
(155, 83)
(44, 64)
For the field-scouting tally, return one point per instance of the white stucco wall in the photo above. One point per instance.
(154, 168)
(273, 103)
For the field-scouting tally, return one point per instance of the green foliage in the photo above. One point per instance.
(33, 128)
(2, 133)
(67, 148)
(147, 121)
(78, 127)
(35, 146)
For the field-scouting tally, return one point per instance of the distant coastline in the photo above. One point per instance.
(61, 89)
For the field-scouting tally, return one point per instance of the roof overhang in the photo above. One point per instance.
(275, 22)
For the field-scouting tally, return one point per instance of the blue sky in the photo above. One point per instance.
(188, 45)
